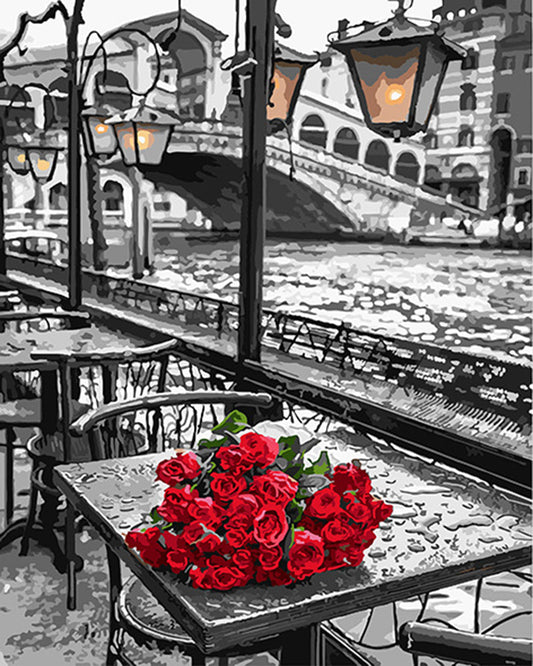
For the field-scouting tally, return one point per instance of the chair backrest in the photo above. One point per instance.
(157, 421)
(91, 379)
(461, 647)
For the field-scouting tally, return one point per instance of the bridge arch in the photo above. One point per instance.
(116, 197)
(407, 167)
(313, 130)
(347, 144)
(378, 155)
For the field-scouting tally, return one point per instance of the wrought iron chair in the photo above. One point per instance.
(21, 388)
(86, 380)
(133, 609)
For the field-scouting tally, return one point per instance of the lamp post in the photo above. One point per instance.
(142, 135)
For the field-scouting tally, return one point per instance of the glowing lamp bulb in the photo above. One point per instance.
(43, 165)
(145, 139)
(101, 128)
(21, 158)
(395, 94)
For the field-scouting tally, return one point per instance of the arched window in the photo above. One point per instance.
(113, 197)
(464, 172)
(407, 167)
(56, 104)
(58, 197)
(431, 141)
(433, 177)
(378, 155)
(464, 184)
(466, 137)
(467, 100)
(314, 131)
(111, 89)
(347, 144)
(471, 61)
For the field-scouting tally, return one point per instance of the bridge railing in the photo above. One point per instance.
(475, 382)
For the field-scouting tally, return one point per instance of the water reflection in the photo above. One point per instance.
(475, 299)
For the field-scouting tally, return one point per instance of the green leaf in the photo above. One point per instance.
(313, 481)
(290, 447)
(287, 542)
(321, 466)
(212, 443)
(156, 518)
(234, 422)
(295, 511)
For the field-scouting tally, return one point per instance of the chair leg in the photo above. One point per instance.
(9, 475)
(30, 520)
(70, 553)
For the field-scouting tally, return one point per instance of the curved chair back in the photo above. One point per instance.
(157, 421)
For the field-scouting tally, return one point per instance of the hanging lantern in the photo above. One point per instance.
(289, 72)
(42, 163)
(143, 134)
(398, 68)
(101, 138)
(18, 160)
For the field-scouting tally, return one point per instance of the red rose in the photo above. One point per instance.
(237, 538)
(200, 577)
(380, 511)
(175, 506)
(353, 556)
(226, 486)
(351, 477)
(174, 542)
(137, 539)
(358, 511)
(275, 488)
(306, 554)
(270, 558)
(279, 577)
(155, 555)
(243, 560)
(147, 543)
(258, 449)
(205, 510)
(193, 532)
(224, 578)
(324, 503)
(209, 542)
(176, 470)
(335, 559)
(270, 526)
(241, 512)
(337, 531)
(231, 459)
(177, 560)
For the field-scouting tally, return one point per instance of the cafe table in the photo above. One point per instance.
(17, 355)
(446, 528)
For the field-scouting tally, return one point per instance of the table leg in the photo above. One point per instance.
(49, 402)
(300, 647)
(9, 475)
(70, 552)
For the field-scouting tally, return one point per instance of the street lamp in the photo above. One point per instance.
(398, 68)
(101, 139)
(42, 162)
(18, 160)
(288, 76)
(142, 134)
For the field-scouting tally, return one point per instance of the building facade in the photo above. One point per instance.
(479, 140)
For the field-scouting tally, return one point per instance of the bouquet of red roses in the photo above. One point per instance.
(246, 507)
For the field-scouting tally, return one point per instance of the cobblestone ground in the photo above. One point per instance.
(475, 299)
(37, 630)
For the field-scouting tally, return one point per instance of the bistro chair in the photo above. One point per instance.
(133, 610)
(22, 388)
(87, 380)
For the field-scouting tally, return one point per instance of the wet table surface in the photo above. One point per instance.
(16, 347)
(446, 528)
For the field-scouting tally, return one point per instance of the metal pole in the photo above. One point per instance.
(2, 209)
(260, 22)
(136, 180)
(74, 159)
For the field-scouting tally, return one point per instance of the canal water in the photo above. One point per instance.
(473, 299)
